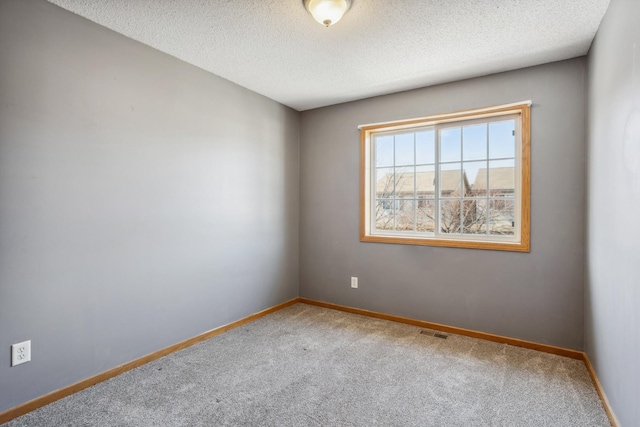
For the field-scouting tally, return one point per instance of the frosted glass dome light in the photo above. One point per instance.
(327, 12)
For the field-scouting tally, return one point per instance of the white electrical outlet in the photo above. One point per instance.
(20, 353)
(354, 282)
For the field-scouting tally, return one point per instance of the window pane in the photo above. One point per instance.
(502, 178)
(450, 216)
(425, 181)
(425, 215)
(404, 149)
(502, 141)
(384, 150)
(476, 174)
(450, 145)
(384, 215)
(384, 183)
(425, 147)
(405, 211)
(475, 216)
(502, 217)
(474, 142)
(405, 182)
(450, 180)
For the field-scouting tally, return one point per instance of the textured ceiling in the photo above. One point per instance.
(274, 47)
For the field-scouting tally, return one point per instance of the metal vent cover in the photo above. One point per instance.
(436, 334)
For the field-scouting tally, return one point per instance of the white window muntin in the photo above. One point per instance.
(437, 128)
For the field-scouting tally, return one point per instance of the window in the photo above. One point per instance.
(459, 180)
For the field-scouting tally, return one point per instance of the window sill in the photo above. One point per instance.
(522, 246)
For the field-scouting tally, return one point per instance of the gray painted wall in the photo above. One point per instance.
(536, 296)
(612, 297)
(142, 200)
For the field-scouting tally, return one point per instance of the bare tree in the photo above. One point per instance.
(494, 215)
(465, 213)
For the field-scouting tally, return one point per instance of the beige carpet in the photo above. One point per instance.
(309, 366)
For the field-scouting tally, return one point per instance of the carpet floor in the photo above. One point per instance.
(310, 366)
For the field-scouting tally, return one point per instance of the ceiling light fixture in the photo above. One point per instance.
(327, 12)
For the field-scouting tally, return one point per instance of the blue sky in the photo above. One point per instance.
(460, 147)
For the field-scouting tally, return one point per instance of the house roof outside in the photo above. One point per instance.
(425, 182)
(501, 179)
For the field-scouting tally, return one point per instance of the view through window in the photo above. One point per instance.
(448, 180)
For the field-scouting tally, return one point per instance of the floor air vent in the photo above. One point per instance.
(434, 334)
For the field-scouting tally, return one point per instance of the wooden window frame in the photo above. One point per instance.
(522, 109)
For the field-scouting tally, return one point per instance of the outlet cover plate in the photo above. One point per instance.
(20, 353)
